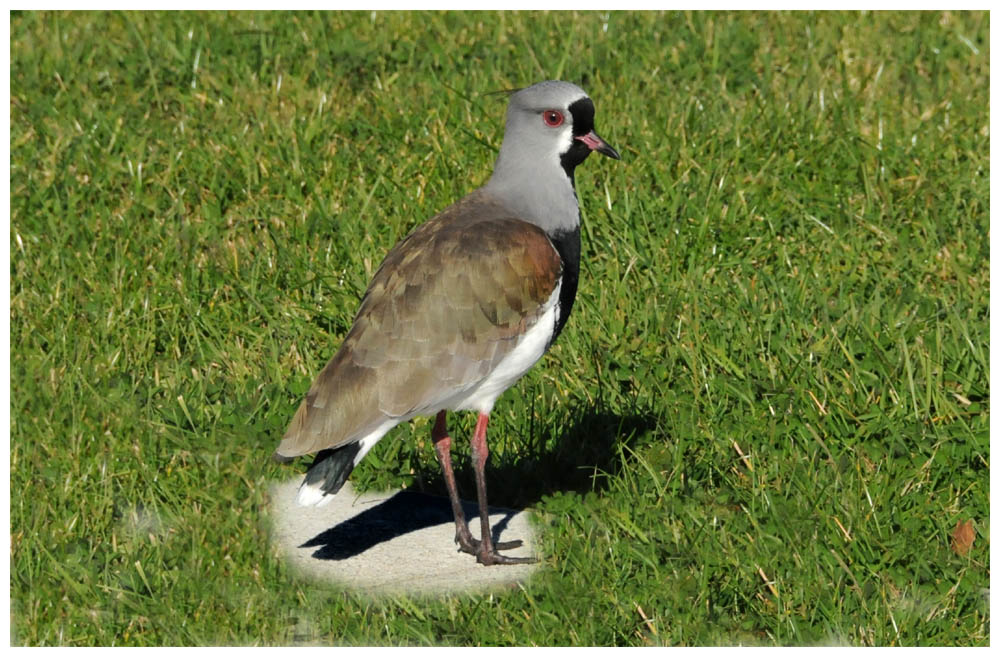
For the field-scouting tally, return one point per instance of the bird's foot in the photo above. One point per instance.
(490, 555)
(492, 558)
(471, 545)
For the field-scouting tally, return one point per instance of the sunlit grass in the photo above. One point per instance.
(764, 419)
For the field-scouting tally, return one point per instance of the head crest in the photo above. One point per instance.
(505, 92)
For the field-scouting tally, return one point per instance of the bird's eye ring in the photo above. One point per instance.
(552, 118)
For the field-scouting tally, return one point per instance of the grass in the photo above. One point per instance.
(761, 425)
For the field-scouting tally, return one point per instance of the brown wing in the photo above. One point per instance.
(447, 304)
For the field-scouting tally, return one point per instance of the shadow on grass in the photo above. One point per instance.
(580, 459)
(584, 457)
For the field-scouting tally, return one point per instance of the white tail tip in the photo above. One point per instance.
(311, 495)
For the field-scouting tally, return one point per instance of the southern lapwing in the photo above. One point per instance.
(460, 309)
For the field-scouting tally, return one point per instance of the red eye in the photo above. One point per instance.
(552, 118)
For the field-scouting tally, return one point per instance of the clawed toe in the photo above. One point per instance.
(472, 545)
(489, 557)
(495, 558)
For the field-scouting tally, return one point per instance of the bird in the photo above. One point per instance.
(459, 310)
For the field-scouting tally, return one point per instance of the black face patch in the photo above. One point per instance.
(583, 122)
(583, 116)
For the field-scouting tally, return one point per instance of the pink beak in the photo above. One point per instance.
(595, 143)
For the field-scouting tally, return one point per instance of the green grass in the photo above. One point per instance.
(790, 262)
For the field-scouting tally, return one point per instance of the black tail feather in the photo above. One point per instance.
(331, 468)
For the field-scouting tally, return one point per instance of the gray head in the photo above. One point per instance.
(550, 130)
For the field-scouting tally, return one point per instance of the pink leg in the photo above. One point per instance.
(487, 554)
(442, 447)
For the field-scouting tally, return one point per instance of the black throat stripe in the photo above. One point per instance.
(583, 122)
(567, 244)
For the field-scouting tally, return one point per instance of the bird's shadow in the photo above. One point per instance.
(405, 512)
(579, 459)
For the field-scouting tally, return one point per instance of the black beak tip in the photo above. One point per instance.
(606, 149)
(595, 142)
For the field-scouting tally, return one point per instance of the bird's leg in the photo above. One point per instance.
(442, 447)
(487, 554)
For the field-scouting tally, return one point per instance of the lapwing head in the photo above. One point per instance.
(553, 122)
(549, 132)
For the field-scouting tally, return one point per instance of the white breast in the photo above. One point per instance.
(529, 349)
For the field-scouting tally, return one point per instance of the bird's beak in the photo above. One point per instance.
(595, 143)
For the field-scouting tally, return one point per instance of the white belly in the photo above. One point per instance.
(529, 349)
